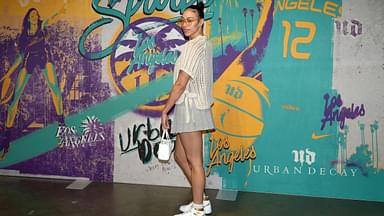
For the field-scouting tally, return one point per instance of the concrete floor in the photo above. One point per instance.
(32, 196)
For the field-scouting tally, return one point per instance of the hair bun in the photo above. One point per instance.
(200, 4)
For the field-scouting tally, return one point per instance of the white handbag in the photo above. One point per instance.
(165, 149)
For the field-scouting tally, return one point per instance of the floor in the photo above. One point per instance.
(32, 196)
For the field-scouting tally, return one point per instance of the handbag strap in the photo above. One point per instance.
(165, 134)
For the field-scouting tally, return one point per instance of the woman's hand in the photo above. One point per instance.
(164, 120)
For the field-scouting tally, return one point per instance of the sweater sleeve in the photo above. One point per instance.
(190, 58)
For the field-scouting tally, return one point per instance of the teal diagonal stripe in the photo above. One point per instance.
(44, 140)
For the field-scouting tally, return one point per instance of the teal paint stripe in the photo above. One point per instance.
(44, 140)
(236, 107)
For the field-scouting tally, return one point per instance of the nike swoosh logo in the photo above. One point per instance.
(315, 137)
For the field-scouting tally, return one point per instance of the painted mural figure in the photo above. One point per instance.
(192, 94)
(33, 54)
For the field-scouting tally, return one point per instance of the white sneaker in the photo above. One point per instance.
(206, 205)
(192, 212)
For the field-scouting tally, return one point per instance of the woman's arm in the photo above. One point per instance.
(15, 65)
(53, 18)
(177, 90)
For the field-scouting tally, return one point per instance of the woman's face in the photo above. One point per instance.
(33, 17)
(191, 23)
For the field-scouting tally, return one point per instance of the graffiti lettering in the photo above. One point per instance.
(349, 163)
(68, 138)
(234, 92)
(76, 141)
(329, 8)
(334, 112)
(221, 154)
(298, 40)
(150, 59)
(65, 131)
(308, 159)
(356, 27)
(125, 18)
(142, 137)
(93, 131)
(310, 171)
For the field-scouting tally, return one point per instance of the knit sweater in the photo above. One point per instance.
(196, 60)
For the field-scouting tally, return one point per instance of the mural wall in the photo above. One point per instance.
(298, 105)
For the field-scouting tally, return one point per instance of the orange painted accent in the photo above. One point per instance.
(316, 137)
(5, 88)
(51, 74)
(129, 81)
(63, 82)
(120, 66)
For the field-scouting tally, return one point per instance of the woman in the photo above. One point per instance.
(33, 53)
(192, 94)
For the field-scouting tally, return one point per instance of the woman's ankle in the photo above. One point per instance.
(198, 207)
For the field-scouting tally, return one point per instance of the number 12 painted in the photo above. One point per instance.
(298, 40)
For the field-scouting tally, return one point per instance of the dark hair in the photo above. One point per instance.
(26, 25)
(199, 7)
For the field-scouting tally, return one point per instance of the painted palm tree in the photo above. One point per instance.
(245, 23)
(376, 127)
(221, 36)
(372, 142)
(362, 126)
(341, 154)
(346, 131)
(343, 146)
(252, 12)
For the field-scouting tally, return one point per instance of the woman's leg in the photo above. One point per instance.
(193, 146)
(181, 159)
(21, 82)
(51, 77)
